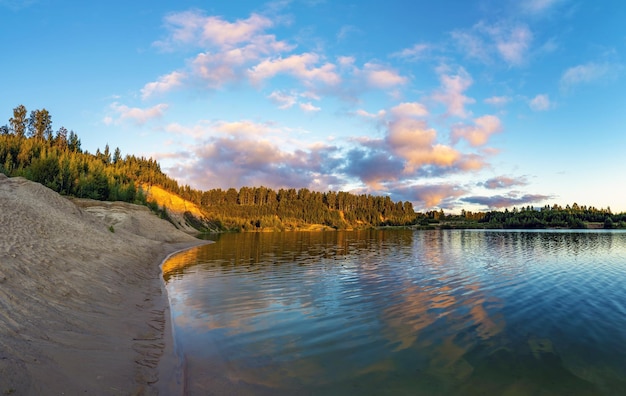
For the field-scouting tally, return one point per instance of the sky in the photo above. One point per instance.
(451, 104)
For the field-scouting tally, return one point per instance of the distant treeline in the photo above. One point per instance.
(30, 148)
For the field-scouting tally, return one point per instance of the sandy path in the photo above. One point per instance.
(83, 310)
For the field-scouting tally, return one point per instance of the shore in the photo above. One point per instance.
(83, 307)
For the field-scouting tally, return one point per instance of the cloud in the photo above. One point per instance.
(138, 115)
(451, 93)
(300, 66)
(409, 110)
(283, 100)
(309, 107)
(584, 74)
(503, 182)
(245, 153)
(479, 133)
(498, 100)
(372, 167)
(164, 84)
(346, 31)
(382, 77)
(514, 44)
(195, 29)
(430, 195)
(538, 6)
(372, 116)
(416, 52)
(227, 49)
(540, 103)
(483, 42)
(506, 201)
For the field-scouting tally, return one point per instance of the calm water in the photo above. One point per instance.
(402, 312)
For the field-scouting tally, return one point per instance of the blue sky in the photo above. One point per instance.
(449, 104)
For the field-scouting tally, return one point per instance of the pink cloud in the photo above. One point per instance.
(498, 100)
(381, 77)
(451, 93)
(408, 110)
(282, 99)
(194, 28)
(479, 133)
(415, 52)
(138, 115)
(164, 84)
(300, 66)
(503, 182)
(309, 107)
(485, 42)
(540, 103)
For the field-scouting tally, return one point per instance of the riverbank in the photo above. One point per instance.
(83, 307)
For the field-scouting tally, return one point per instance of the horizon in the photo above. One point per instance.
(483, 106)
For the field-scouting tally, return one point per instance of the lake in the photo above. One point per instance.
(402, 312)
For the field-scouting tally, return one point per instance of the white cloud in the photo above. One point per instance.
(164, 84)
(584, 74)
(538, 6)
(382, 77)
(409, 110)
(283, 100)
(484, 42)
(379, 115)
(138, 115)
(540, 102)
(498, 100)
(416, 52)
(196, 29)
(301, 66)
(308, 107)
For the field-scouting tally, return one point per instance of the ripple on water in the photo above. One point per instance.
(441, 312)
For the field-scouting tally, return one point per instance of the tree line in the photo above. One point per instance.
(29, 147)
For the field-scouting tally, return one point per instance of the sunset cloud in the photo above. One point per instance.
(498, 100)
(584, 74)
(485, 42)
(429, 196)
(282, 99)
(540, 103)
(382, 77)
(506, 201)
(138, 115)
(409, 110)
(195, 29)
(416, 52)
(301, 66)
(451, 93)
(309, 107)
(479, 133)
(164, 84)
(503, 182)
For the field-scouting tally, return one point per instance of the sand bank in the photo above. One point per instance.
(83, 309)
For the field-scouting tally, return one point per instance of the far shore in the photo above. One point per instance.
(83, 305)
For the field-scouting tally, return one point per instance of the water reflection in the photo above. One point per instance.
(403, 312)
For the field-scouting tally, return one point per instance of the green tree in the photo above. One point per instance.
(40, 125)
(18, 121)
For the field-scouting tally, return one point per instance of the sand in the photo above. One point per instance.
(83, 307)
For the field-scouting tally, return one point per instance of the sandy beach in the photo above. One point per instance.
(83, 308)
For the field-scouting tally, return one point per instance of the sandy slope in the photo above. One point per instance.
(83, 310)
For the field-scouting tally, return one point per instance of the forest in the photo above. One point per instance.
(30, 148)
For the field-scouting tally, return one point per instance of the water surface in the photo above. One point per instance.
(403, 312)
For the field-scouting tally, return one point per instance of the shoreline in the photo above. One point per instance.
(83, 303)
(171, 369)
